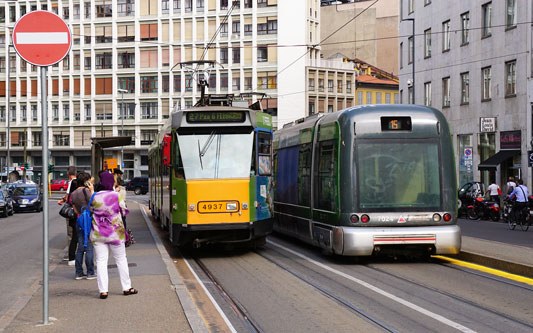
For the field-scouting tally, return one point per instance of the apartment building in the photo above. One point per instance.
(472, 60)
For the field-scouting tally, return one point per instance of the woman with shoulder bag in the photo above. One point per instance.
(72, 224)
(108, 233)
(80, 199)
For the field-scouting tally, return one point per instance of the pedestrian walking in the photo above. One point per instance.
(494, 192)
(80, 198)
(108, 234)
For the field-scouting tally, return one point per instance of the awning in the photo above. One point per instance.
(496, 159)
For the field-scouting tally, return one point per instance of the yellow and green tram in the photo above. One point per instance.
(211, 175)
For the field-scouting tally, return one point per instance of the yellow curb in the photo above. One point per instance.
(485, 269)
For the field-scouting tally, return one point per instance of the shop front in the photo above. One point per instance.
(507, 158)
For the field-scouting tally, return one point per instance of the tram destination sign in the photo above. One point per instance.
(396, 124)
(216, 117)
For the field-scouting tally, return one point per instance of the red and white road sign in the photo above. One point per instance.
(42, 38)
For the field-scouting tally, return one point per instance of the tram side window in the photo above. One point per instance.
(326, 176)
(264, 150)
(304, 175)
(179, 172)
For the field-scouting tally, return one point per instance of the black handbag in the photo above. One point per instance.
(130, 240)
(67, 211)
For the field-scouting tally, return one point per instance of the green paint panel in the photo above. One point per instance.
(179, 199)
(328, 132)
(323, 216)
(299, 211)
(252, 196)
(264, 120)
(306, 136)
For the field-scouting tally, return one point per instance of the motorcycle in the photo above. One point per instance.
(484, 209)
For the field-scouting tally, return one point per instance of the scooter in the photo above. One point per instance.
(485, 209)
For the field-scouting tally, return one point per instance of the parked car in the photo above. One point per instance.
(139, 185)
(27, 197)
(59, 184)
(6, 204)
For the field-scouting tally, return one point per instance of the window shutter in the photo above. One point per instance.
(55, 87)
(153, 30)
(145, 7)
(200, 30)
(33, 88)
(153, 7)
(165, 57)
(145, 31)
(247, 53)
(272, 52)
(76, 86)
(177, 54)
(99, 86)
(108, 85)
(87, 86)
(122, 30)
(177, 31)
(23, 88)
(164, 28)
(188, 30)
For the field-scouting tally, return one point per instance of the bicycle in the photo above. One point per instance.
(525, 218)
(507, 214)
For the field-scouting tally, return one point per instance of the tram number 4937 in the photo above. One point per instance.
(210, 207)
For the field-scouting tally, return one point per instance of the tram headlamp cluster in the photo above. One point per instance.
(231, 206)
(365, 218)
(244, 205)
(354, 218)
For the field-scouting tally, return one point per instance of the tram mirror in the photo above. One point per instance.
(166, 150)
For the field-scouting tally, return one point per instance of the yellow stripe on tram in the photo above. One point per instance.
(485, 269)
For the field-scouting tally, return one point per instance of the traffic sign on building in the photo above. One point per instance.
(42, 38)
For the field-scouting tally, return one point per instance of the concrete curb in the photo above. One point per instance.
(496, 263)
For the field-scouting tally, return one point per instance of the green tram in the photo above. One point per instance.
(210, 175)
(367, 180)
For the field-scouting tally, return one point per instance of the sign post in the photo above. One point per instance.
(43, 39)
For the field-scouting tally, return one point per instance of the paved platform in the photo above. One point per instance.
(75, 306)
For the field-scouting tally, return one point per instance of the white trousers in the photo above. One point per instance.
(101, 252)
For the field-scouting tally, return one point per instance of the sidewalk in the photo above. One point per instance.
(75, 306)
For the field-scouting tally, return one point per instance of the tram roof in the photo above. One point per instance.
(252, 119)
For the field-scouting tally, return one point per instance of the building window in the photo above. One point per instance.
(486, 25)
(23, 113)
(427, 43)
(311, 108)
(262, 28)
(87, 9)
(510, 19)
(248, 29)
(126, 60)
(411, 50)
(37, 138)
(368, 98)
(2, 113)
(387, 98)
(486, 84)
(465, 26)
(236, 27)
(177, 83)
(262, 54)
(148, 136)
(330, 85)
(125, 33)
(510, 75)
(148, 84)
(103, 34)
(87, 108)
(62, 139)
(465, 88)
(320, 84)
(272, 26)
(339, 86)
(446, 92)
(34, 112)
(55, 112)
(165, 6)
(427, 93)
(236, 83)
(236, 55)
(311, 84)
(66, 112)
(223, 29)
(446, 36)
(149, 110)
(165, 83)
(266, 80)
(410, 97)
(224, 55)
(410, 6)
(348, 86)
(359, 97)
(127, 83)
(104, 60)
(103, 8)
(401, 55)
(379, 98)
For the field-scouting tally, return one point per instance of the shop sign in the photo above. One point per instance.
(510, 140)
(530, 158)
(487, 124)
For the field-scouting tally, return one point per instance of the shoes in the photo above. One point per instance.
(130, 291)
(79, 277)
(91, 276)
(103, 295)
(72, 262)
(66, 258)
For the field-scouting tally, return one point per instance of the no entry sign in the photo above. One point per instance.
(42, 38)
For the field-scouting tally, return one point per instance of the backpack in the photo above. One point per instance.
(85, 221)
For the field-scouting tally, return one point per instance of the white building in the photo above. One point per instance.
(132, 45)
(472, 60)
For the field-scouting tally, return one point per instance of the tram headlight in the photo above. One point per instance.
(244, 205)
(354, 218)
(436, 217)
(231, 206)
(192, 207)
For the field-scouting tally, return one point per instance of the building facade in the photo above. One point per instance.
(472, 60)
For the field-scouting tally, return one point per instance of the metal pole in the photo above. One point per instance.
(414, 60)
(44, 116)
(8, 109)
(122, 131)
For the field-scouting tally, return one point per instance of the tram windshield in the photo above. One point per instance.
(216, 155)
(398, 175)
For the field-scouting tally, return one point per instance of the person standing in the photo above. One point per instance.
(71, 174)
(494, 192)
(80, 198)
(510, 186)
(108, 233)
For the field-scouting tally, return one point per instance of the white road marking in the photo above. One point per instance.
(42, 38)
(382, 292)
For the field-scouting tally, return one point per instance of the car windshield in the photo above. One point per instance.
(216, 155)
(400, 174)
(25, 190)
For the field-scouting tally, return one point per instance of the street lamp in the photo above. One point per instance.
(8, 109)
(413, 64)
(122, 91)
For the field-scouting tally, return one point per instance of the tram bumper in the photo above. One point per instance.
(348, 241)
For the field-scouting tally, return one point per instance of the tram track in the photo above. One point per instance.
(455, 297)
(237, 307)
(351, 307)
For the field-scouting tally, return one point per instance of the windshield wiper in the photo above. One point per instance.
(201, 152)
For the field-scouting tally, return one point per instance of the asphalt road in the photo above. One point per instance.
(496, 231)
(21, 251)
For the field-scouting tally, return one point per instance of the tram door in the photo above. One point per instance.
(165, 180)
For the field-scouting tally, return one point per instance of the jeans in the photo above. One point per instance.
(89, 255)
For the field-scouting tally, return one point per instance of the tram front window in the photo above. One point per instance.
(216, 155)
(399, 175)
